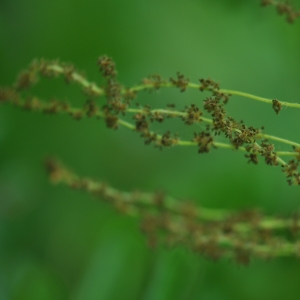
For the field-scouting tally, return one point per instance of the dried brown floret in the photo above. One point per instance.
(45, 70)
(107, 66)
(297, 149)
(149, 137)
(91, 108)
(297, 179)
(221, 96)
(68, 73)
(118, 106)
(252, 158)
(204, 141)
(276, 106)
(78, 115)
(208, 84)
(32, 103)
(156, 116)
(253, 147)
(291, 168)
(283, 8)
(9, 95)
(244, 135)
(167, 140)
(154, 80)
(193, 115)
(25, 80)
(171, 105)
(129, 95)
(54, 169)
(218, 113)
(286, 9)
(267, 151)
(113, 89)
(110, 119)
(53, 107)
(266, 2)
(181, 82)
(141, 122)
(229, 124)
(213, 106)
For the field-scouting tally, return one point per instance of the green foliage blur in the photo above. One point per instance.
(56, 243)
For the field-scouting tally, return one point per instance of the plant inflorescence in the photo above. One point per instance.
(119, 103)
(214, 233)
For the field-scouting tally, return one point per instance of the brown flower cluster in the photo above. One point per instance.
(181, 82)
(276, 106)
(154, 82)
(238, 133)
(193, 115)
(283, 8)
(204, 141)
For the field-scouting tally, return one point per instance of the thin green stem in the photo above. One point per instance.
(278, 139)
(164, 84)
(246, 95)
(78, 78)
(126, 124)
(225, 91)
(257, 98)
(287, 153)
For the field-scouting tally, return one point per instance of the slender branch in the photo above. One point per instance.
(81, 80)
(216, 233)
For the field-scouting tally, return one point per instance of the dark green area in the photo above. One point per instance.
(56, 243)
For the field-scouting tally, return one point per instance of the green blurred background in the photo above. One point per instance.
(56, 243)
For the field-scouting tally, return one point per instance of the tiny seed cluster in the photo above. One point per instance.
(119, 103)
(238, 236)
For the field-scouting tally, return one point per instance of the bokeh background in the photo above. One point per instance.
(56, 243)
